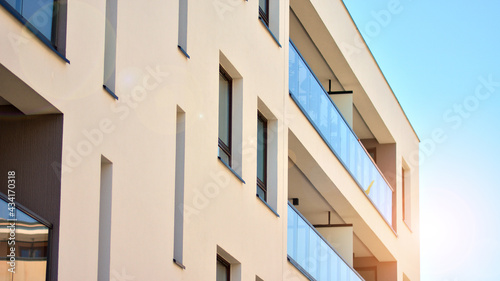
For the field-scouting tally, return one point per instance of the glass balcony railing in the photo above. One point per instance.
(313, 255)
(313, 100)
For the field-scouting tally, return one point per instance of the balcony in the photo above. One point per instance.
(312, 99)
(312, 254)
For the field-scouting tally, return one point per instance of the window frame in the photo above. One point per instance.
(406, 197)
(226, 148)
(262, 184)
(264, 15)
(57, 42)
(226, 264)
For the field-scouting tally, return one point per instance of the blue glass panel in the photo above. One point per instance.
(323, 118)
(293, 81)
(16, 4)
(302, 235)
(318, 107)
(40, 14)
(303, 84)
(344, 144)
(323, 261)
(292, 234)
(315, 255)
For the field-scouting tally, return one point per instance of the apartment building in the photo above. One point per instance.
(200, 140)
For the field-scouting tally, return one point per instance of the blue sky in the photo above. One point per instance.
(442, 59)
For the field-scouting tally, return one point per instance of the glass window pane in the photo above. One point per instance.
(222, 271)
(261, 150)
(263, 5)
(224, 109)
(293, 71)
(292, 233)
(40, 14)
(16, 4)
(224, 157)
(261, 193)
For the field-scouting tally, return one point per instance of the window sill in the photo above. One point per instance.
(33, 29)
(179, 264)
(269, 30)
(183, 51)
(231, 169)
(108, 90)
(268, 206)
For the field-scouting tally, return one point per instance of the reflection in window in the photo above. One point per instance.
(225, 114)
(40, 13)
(30, 248)
(262, 157)
(223, 269)
(264, 10)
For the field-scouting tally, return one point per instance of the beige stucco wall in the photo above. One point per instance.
(137, 134)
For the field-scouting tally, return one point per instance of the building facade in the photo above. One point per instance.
(200, 140)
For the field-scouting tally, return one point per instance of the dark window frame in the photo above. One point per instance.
(57, 42)
(227, 265)
(263, 184)
(226, 147)
(263, 15)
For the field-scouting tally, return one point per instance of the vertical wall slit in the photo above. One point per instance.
(105, 200)
(179, 186)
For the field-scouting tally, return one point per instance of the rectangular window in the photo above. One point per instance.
(405, 179)
(105, 199)
(264, 10)
(262, 157)
(183, 21)
(179, 187)
(110, 47)
(38, 13)
(223, 269)
(225, 116)
(45, 18)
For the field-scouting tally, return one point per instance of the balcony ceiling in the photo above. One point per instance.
(312, 34)
(22, 96)
(314, 207)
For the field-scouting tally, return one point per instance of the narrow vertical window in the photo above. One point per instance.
(405, 178)
(105, 199)
(264, 10)
(262, 157)
(223, 269)
(225, 116)
(110, 48)
(179, 187)
(183, 21)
